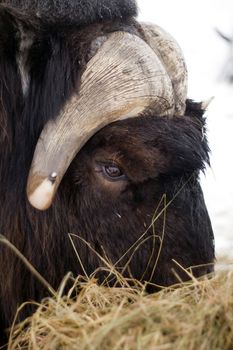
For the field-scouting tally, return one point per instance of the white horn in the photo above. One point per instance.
(169, 52)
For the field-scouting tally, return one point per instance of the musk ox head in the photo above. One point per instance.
(126, 77)
(99, 140)
(125, 139)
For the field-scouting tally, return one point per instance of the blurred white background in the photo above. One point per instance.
(193, 24)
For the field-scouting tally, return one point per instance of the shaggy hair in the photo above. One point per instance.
(75, 12)
(158, 155)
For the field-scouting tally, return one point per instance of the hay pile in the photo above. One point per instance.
(198, 315)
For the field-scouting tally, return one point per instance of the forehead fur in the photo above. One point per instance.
(149, 146)
(75, 12)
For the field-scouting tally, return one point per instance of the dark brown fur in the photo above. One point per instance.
(158, 156)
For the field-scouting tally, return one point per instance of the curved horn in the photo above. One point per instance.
(169, 52)
(122, 80)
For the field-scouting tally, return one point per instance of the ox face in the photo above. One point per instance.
(114, 188)
(123, 178)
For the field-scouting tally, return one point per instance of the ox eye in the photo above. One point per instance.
(113, 172)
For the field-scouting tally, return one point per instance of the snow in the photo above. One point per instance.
(193, 24)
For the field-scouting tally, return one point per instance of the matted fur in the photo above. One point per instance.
(159, 156)
(74, 12)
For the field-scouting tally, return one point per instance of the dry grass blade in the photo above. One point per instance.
(197, 315)
(40, 278)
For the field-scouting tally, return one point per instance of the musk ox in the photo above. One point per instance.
(97, 138)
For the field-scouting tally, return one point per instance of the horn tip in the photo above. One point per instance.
(41, 197)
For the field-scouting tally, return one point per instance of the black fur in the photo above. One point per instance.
(74, 12)
(159, 156)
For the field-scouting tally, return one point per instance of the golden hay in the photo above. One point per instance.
(196, 316)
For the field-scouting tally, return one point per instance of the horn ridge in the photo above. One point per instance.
(122, 80)
(170, 53)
